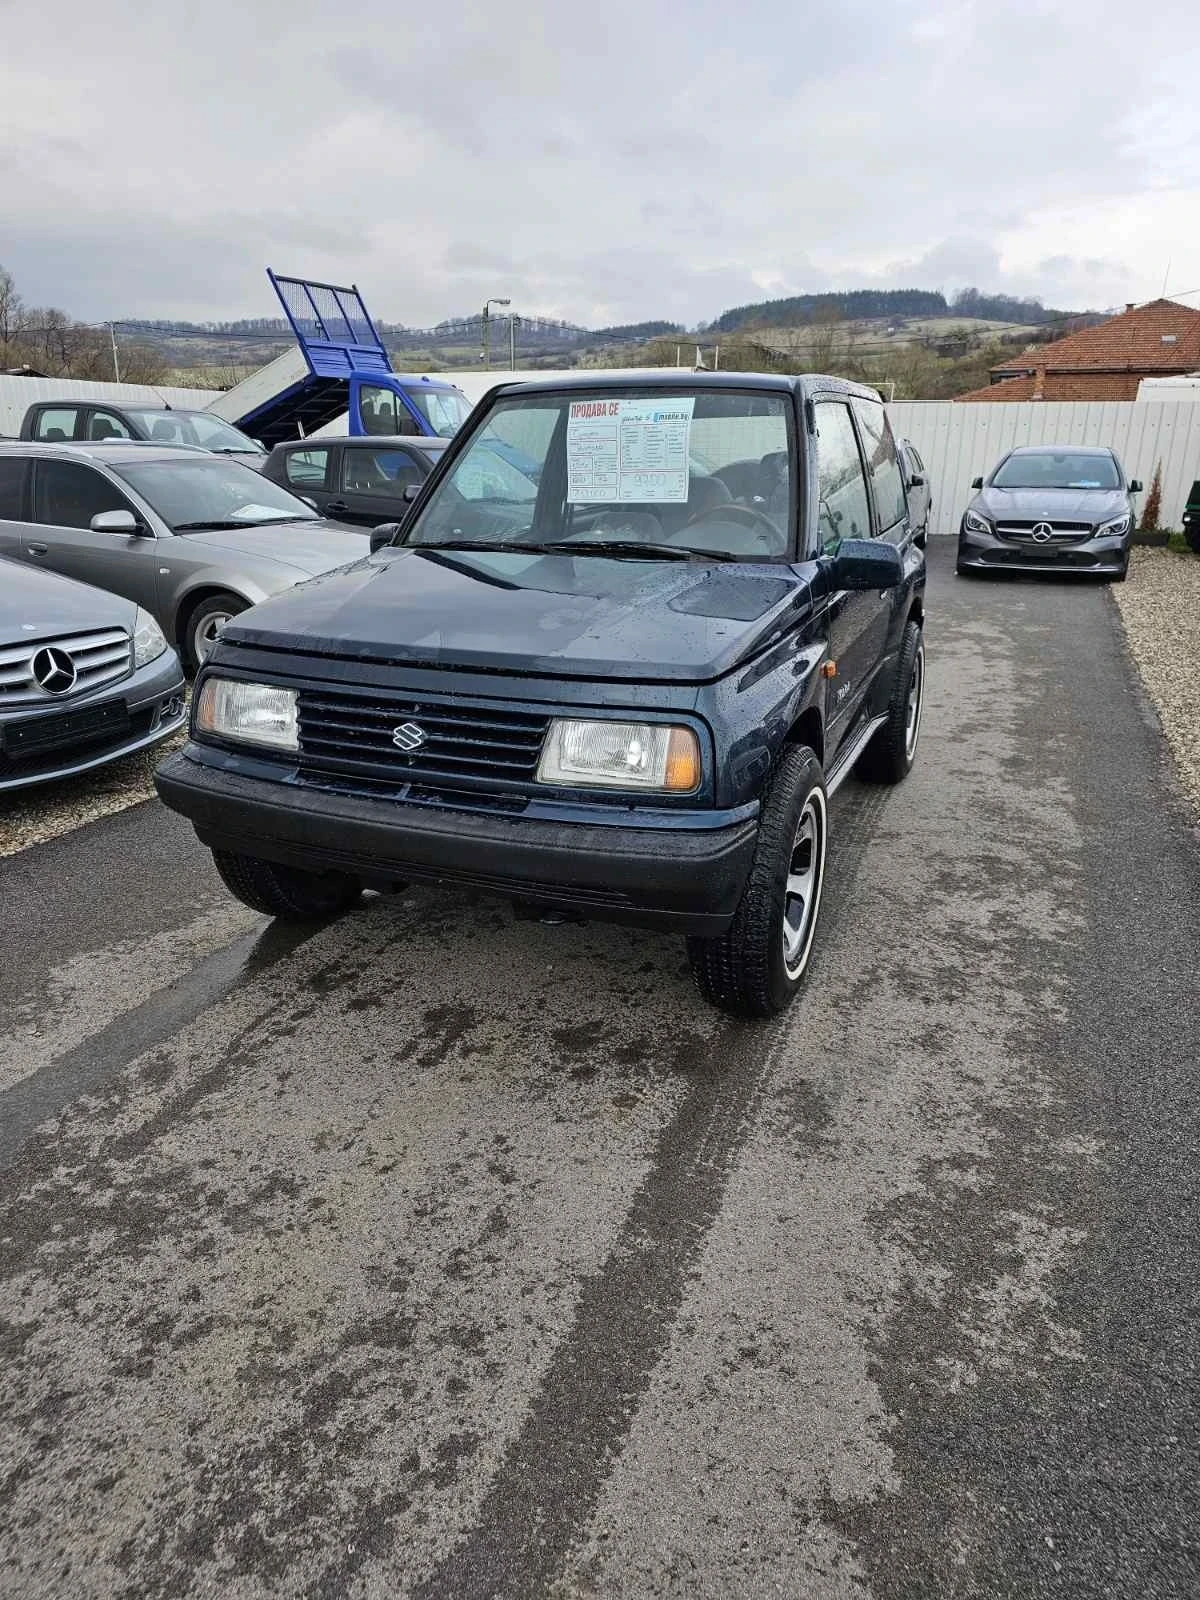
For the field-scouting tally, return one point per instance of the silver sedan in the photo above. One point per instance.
(191, 537)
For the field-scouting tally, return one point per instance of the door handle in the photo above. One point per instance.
(336, 506)
(38, 549)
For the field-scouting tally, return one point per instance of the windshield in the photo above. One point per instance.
(192, 427)
(208, 492)
(445, 410)
(705, 472)
(1058, 469)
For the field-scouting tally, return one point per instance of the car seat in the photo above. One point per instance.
(163, 430)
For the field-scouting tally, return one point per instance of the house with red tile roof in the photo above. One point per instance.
(1106, 362)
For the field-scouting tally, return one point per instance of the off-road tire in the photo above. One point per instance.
(891, 753)
(743, 971)
(1192, 535)
(287, 892)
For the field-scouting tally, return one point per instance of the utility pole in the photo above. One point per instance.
(487, 328)
(112, 333)
(513, 322)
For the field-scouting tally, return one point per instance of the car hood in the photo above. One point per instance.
(306, 547)
(1051, 505)
(544, 616)
(41, 605)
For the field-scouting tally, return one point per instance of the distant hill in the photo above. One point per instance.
(856, 305)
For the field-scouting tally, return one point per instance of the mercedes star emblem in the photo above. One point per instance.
(408, 736)
(1043, 533)
(53, 670)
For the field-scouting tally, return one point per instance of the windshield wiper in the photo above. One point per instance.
(244, 522)
(631, 549)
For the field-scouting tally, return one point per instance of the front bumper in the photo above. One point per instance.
(115, 720)
(680, 879)
(988, 552)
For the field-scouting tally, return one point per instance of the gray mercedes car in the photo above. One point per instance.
(1050, 508)
(192, 538)
(85, 677)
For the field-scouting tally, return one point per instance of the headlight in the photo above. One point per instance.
(621, 755)
(974, 523)
(1115, 528)
(149, 641)
(254, 713)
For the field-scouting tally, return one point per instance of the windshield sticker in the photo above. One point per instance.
(628, 450)
(254, 513)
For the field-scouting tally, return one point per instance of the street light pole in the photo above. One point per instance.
(112, 333)
(513, 321)
(487, 328)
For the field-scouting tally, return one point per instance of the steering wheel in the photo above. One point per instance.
(732, 512)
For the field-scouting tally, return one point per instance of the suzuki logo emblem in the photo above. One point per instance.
(408, 736)
(1043, 533)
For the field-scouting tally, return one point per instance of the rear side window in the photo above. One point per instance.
(67, 495)
(306, 468)
(882, 463)
(382, 471)
(56, 424)
(107, 425)
(12, 483)
(841, 486)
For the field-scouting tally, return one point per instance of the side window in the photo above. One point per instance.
(12, 487)
(67, 495)
(306, 468)
(383, 472)
(915, 461)
(56, 424)
(844, 508)
(883, 463)
(383, 412)
(105, 425)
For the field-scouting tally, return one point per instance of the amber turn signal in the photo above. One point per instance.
(683, 761)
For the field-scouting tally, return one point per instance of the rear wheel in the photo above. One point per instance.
(203, 626)
(890, 755)
(288, 892)
(756, 968)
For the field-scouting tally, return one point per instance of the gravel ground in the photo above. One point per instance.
(1160, 608)
(32, 816)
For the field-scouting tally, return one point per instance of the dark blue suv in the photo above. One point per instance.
(625, 687)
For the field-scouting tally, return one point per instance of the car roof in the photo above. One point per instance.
(363, 441)
(108, 451)
(807, 383)
(1060, 450)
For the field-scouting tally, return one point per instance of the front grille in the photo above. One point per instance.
(1062, 532)
(100, 657)
(347, 743)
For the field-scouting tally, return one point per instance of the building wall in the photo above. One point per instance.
(958, 443)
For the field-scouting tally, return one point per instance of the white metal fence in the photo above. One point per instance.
(959, 442)
(18, 394)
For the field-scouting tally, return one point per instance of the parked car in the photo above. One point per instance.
(192, 537)
(1050, 508)
(94, 421)
(85, 677)
(628, 696)
(916, 486)
(1191, 518)
(368, 481)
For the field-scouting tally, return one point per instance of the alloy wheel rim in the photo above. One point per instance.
(802, 888)
(912, 708)
(210, 631)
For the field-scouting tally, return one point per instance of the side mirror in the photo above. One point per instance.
(121, 522)
(1135, 486)
(977, 483)
(916, 481)
(866, 564)
(383, 535)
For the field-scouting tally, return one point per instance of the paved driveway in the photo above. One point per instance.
(441, 1254)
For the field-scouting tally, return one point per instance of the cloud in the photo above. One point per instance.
(604, 164)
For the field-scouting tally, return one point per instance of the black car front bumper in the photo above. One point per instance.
(687, 880)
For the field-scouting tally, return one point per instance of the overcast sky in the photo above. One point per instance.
(603, 162)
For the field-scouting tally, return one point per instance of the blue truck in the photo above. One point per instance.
(338, 367)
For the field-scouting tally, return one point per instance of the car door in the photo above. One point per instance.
(14, 473)
(66, 496)
(310, 472)
(844, 513)
(372, 481)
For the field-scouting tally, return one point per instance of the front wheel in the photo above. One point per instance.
(287, 892)
(756, 968)
(204, 624)
(890, 755)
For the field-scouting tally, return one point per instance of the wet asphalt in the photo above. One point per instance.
(436, 1253)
